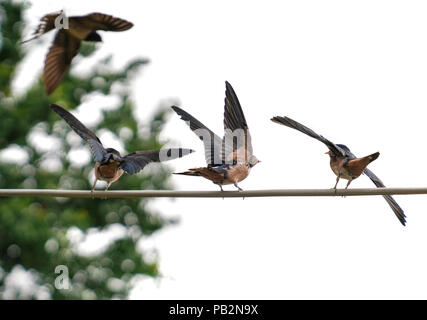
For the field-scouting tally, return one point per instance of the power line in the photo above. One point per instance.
(209, 194)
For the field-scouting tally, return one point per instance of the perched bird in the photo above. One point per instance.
(229, 159)
(110, 165)
(344, 163)
(71, 31)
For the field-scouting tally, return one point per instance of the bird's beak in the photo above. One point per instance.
(329, 152)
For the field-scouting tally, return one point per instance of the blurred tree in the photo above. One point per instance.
(35, 232)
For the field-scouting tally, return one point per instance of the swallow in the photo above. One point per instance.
(66, 44)
(109, 164)
(344, 163)
(230, 159)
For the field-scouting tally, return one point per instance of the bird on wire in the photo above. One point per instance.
(230, 159)
(71, 31)
(109, 164)
(344, 163)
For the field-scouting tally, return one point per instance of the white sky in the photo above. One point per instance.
(352, 71)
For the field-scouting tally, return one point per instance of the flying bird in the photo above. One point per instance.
(230, 159)
(344, 163)
(71, 31)
(109, 164)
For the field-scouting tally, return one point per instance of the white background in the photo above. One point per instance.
(354, 71)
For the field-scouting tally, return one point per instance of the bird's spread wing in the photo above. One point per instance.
(211, 141)
(47, 23)
(298, 126)
(95, 144)
(136, 161)
(237, 144)
(390, 200)
(100, 21)
(58, 60)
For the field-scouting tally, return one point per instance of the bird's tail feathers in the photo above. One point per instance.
(390, 200)
(190, 172)
(373, 156)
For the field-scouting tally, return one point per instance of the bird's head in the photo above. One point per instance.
(331, 154)
(112, 156)
(253, 161)
(344, 150)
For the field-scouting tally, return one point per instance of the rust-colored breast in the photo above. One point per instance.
(237, 173)
(108, 172)
(337, 165)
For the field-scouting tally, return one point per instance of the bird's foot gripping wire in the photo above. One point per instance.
(336, 184)
(239, 189)
(346, 187)
(335, 190)
(93, 189)
(106, 189)
(222, 190)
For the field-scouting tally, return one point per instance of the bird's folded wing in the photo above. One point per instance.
(136, 161)
(95, 144)
(212, 143)
(58, 60)
(390, 200)
(300, 127)
(100, 21)
(237, 143)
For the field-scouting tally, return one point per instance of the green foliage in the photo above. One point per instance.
(33, 231)
(10, 53)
